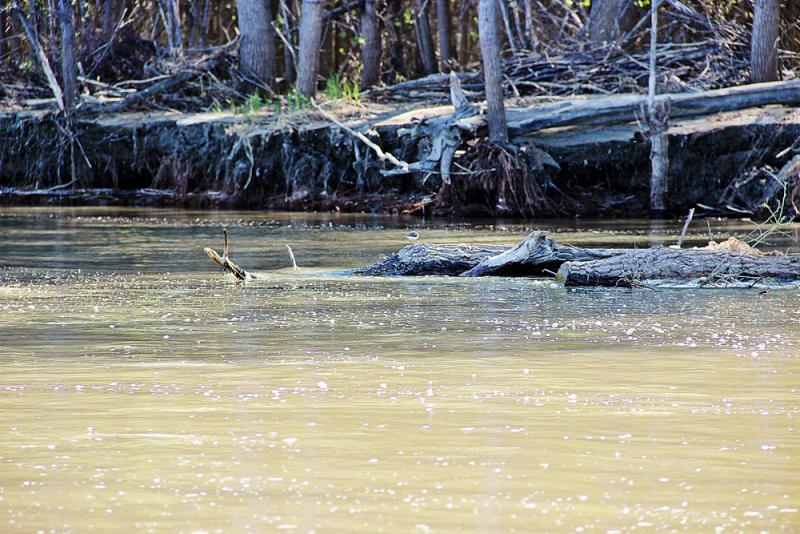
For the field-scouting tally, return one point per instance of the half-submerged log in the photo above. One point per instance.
(707, 266)
(537, 255)
(424, 259)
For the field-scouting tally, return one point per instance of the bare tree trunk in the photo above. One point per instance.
(512, 42)
(204, 25)
(81, 6)
(610, 19)
(310, 38)
(371, 48)
(394, 9)
(69, 73)
(68, 65)
(492, 70)
(289, 74)
(657, 118)
(443, 26)
(109, 17)
(257, 42)
(3, 44)
(175, 22)
(764, 46)
(463, 32)
(427, 54)
(529, 28)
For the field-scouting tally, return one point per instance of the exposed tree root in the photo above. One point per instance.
(504, 180)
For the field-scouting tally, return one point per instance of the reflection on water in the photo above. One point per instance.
(147, 390)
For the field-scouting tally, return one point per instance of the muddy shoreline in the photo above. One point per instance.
(263, 161)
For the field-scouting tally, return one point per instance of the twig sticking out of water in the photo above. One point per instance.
(685, 227)
(225, 262)
(291, 257)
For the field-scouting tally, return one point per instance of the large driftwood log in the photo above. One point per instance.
(706, 266)
(537, 255)
(729, 264)
(423, 259)
(619, 109)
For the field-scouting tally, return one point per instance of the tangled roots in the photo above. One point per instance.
(500, 180)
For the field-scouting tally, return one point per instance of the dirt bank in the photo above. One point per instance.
(300, 161)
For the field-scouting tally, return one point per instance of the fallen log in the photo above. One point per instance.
(621, 109)
(709, 267)
(424, 259)
(729, 264)
(537, 255)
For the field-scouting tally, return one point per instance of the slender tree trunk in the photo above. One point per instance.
(204, 25)
(394, 10)
(427, 54)
(657, 118)
(289, 74)
(69, 73)
(529, 27)
(257, 42)
(326, 51)
(464, 20)
(507, 24)
(443, 26)
(175, 22)
(109, 17)
(69, 70)
(33, 17)
(3, 43)
(764, 45)
(610, 19)
(371, 47)
(82, 15)
(310, 38)
(492, 70)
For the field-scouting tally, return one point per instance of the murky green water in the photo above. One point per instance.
(141, 390)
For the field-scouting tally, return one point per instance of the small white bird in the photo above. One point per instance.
(412, 236)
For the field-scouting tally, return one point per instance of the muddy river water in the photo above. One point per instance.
(141, 390)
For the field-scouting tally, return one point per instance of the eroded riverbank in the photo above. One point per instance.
(302, 162)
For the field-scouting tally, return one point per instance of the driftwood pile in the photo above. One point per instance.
(722, 265)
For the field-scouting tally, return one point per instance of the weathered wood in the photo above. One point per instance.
(371, 47)
(537, 255)
(424, 259)
(658, 122)
(257, 49)
(620, 109)
(764, 66)
(492, 70)
(41, 58)
(308, 51)
(706, 266)
(225, 262)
